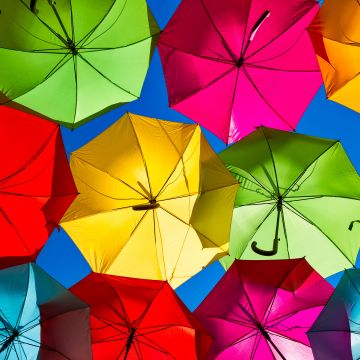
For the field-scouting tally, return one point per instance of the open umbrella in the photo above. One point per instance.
(155, 200)
(298, 196)
(261, 310)
(336, 332)
(70, 60)
(232, 65)
(36, 185)
(335, 34)
(39, 318)
(139, 319)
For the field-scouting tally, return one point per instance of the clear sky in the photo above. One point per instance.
(323, 118)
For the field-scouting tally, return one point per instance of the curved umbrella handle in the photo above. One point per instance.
(276, 237)
(271, 252)
(352, 224)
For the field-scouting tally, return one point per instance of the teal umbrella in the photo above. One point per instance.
(40, 319)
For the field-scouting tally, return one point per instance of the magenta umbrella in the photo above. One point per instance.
(233, 65)
(261, 309)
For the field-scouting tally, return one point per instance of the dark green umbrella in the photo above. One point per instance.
(70, 60)
(298, 196)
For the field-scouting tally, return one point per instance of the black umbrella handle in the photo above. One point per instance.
(274, 250)
(262, 252)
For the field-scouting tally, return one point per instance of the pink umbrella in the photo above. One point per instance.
(233, 65)
(262, 309)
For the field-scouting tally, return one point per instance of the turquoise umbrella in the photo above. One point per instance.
(39, 318)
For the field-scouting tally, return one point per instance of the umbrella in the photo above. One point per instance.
(39, 318)
(36, 185)
(336, 332)
(155, 200)
(70, 60)
(261, 310)
(139, 319)
(233, 65)
(298, 195)
(335, 34)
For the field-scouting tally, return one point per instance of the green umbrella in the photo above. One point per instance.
(70, 60)
(298, 196)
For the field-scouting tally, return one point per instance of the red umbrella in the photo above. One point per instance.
(139, 319)
(36, 185)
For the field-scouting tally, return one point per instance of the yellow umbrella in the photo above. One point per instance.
(335, 33)
(155, 200)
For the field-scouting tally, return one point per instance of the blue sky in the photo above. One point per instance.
(323, 118)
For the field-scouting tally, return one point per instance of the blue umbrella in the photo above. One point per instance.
(39, 318)
(336, 332)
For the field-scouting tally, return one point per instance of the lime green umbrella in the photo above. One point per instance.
(70, 60)
(298, 196)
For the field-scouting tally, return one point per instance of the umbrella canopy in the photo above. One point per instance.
(298, 195)
(155, 200)
(39, 318)
(335, 34)
(261, 310)
(70, 60)
(336, 332)
(36, 185)
(139, 319)
(233, 65)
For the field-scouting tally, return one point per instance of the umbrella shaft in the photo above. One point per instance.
(275, 347)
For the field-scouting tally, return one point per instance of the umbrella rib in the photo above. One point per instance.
(254, 348)
(155, 346)
(302, 216)
(232, 105)
(170, 213)
(257, 228)
(105, 195)
(154, 213)
(276, 69)
(204, 57)
(177, 163)
(226, 45)
(74, 58)
(6, 217)
(50, 73)
(89, 34)
(244, 33)
(212, 82)
(281, 33)
(25, 297)
(46, 25)
(105, 77)
(257, 182)
(142, 153)
(308, 166)
(32, 159)
(271, 303)
(114, 177)
(278, 55)
(353, 284)
(96, 49)
(285, 231)
(255, 318)
(128, 322)
(251, 81)
(142, 316)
